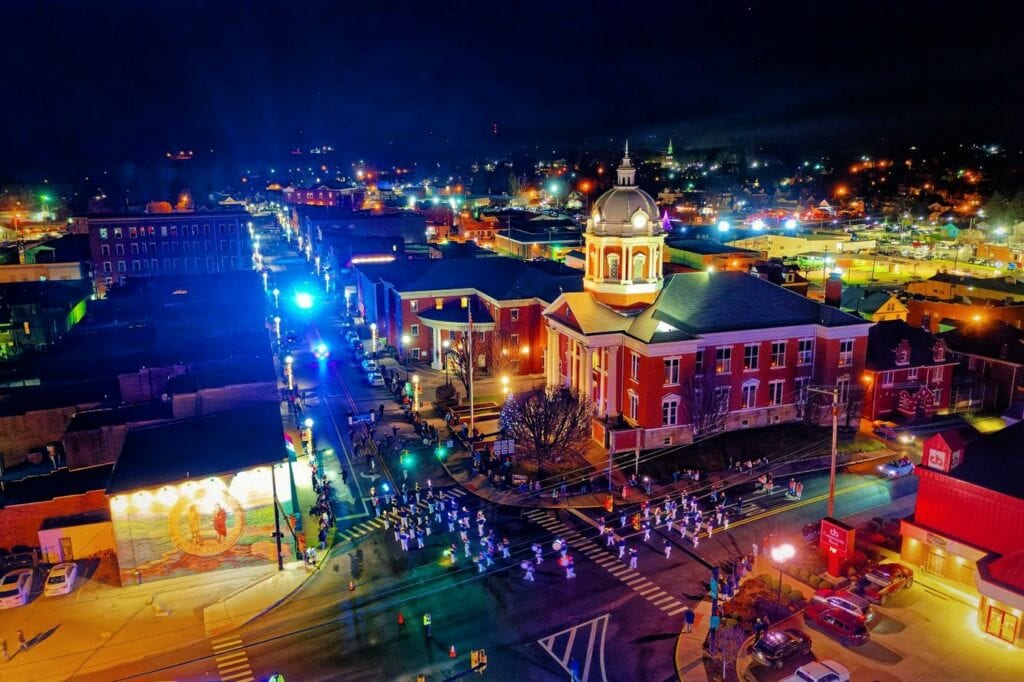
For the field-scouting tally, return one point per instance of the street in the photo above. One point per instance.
(610, 622)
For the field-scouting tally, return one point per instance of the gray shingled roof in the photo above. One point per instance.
(705, 302)
(500, 278)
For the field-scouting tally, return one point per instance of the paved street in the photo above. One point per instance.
(610, 622)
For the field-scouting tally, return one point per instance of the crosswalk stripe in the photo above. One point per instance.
(634, 581)
(236, 667)
(666, 598)
(670, 606)
(232, 656)
(226, 643)
(677, 611)
(240, 676)
(647, 590)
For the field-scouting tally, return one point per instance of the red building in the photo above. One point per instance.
(692, 353)
(323, 195)
(968, 525)
(908, 372)
(152, 244)
(428, 302)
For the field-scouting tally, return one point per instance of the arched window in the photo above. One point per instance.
(613, 266)
(639, 261)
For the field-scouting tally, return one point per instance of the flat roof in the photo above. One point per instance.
(203, 446)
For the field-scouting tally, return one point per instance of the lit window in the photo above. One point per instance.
(671, 371)
(414, 330)
(775, 392)
(778, 353)
(846, 352)
(805, 352)
(414, 306)
(634, 366)
(515, 314)
(749, 395)
(669, 413)
(750, 357)
(723, 360)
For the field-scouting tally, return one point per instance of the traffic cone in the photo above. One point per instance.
(351, 585)
(451, 652)
(401, 618)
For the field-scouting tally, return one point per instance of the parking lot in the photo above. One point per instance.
(924, 633)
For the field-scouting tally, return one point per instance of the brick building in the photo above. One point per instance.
(933, 314)
(429, 302)
(693, 353)
(151, 244)
(908, 372)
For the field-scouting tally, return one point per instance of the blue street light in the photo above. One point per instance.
(791, 224)
(723, 226)
(304, 300)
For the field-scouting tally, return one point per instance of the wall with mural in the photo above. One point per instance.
(198, 525)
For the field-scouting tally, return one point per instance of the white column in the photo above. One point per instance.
(437, 350)
(612, 383)
(551, 358)
(627, 267)
(588, 373)
(600, 263)
(602, 381)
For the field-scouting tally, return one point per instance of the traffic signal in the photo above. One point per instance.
(636, 522)
(406, 459)
(441, 452)
(609, 504)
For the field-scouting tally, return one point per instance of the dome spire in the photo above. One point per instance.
(626, 172)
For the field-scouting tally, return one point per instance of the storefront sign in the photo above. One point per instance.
(837, 538)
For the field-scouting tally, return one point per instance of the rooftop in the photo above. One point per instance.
(994, 462)
(998, 340)
(499, 277)
(1000, 284)
(203, 446)
(705, 302)
(885, 337)
(61, 483)
(706, 247)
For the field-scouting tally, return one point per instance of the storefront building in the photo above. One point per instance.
(968, 525)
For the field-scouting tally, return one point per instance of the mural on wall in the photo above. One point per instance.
(197, 525)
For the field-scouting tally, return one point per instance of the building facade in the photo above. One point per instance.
(968, 524)
(153, 244)
(676, 358)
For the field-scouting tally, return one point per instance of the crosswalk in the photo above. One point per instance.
(232, 661)
(366, 527)
(574, 649)
(609, 562)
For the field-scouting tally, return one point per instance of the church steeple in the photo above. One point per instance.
(669, 152)
(626, 172)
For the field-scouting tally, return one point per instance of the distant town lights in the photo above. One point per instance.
(758, 225)
(723, 226)
(790, 224)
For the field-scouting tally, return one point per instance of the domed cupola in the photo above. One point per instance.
(625, 210)
(624, 242)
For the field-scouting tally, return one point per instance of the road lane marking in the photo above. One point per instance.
(561, 647)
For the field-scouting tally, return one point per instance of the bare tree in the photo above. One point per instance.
(548, 424)
(728, 643)
(502, 356)
(706, 405)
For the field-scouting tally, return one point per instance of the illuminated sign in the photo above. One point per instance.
(836, 537)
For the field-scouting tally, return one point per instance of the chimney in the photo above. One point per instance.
(903, 353)
(939, 351)
(833, 290)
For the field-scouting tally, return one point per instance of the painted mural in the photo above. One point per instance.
(196, 526)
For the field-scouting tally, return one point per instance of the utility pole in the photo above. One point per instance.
(469, 362)
(277, 518)
(834, 392)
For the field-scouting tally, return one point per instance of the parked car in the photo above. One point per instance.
(61, 579)
(778, 646)
(885, 429)
(369, 365)
(375, 379)
(896, 468)
(15, 588)
(884, 581)
(811, 532)
(836, 623)
(847, 601)
(820, 671)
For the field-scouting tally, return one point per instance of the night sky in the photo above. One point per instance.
(94, 83)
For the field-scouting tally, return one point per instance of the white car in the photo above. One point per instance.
(15, 588)
(61, 579)
(897, 468)
(375, 379)
(847, 601)
(820, 671)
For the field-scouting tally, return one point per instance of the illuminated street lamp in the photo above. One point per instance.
(405, 348)
(309, 251)
(758, 225)
(504, 386)
(309, 435)
(446, 344)
(415, 392)
(327, 281)
(277, 327)
(373, 337)
(723, 226)
(266, 277)
(289, 374)
(780, 555)
(791, 224)
(277, 297)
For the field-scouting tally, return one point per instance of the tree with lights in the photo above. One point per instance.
(548, 425)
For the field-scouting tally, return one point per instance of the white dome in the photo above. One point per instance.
(624, 211)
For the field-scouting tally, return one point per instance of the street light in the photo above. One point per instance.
(723, 226)
(415, 392)
(288, 360)
(309, 435)
(446, 344)
(406, 340)
(277, 327)
(780, 555)
(504, 386)
(277, 297)
(373, 337)
(791, 224)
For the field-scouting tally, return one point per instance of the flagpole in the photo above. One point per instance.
(469, 348)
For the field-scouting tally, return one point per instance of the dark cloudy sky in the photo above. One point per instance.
(103, 81)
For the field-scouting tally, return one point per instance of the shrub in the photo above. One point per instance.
(445, 392)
